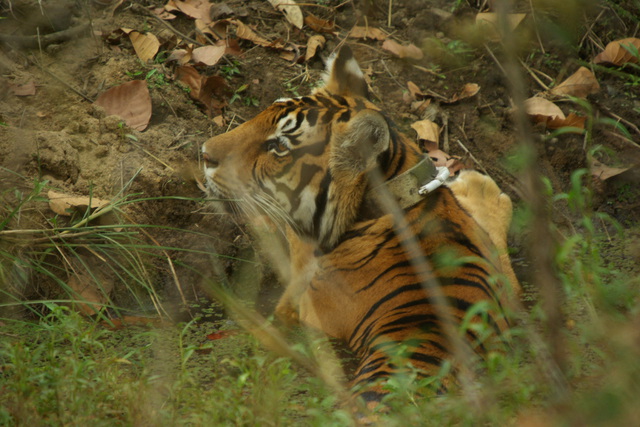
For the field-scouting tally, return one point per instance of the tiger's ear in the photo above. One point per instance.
(344, 76)
(356, 148)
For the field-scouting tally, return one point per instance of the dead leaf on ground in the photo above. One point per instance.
(197, 9)
(490, 22)
(572, 120)
(163, 14)
(469, 90)
(319, 25)
(427, 130)
(27, 89)
(131, 101)
(617, 52)
(145, 45)
(579, 84)
(442, 159)
(542, 110)
(414, 91)
(409, 51)
(367, 33)
(314, 43)
(220, 10)
(208, 55)
(212, 91)
(291, 11)
(66, 205)
(546, 112)
(604, 172)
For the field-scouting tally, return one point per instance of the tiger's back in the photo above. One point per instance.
(382, 276)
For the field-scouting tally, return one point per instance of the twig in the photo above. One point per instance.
(613, 115)
(532, 74)
(389, 13)
(147, 12)
(474, 158)
(39, 41)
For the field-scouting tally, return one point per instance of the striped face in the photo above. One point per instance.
(302, 161)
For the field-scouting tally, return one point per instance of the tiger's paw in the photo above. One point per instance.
(287, 314)
(486, 203)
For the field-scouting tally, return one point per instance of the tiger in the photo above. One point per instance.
(385, 251)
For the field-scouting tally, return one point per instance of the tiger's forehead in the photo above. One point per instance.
(321, 106)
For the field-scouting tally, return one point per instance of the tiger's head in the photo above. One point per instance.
(306, 161)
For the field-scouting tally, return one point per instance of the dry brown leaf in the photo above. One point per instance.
(66, 205)
(145, 45)
(319, 25)
(219, 120)
(367, 33)
(409, 51)
(211, 91)
(181, 56)
(604, 172)
(220, 10)
(197, 9)
(314, 43)
(572, 120)
(579, 84)
(163, 14)
(208, 55)
(490, 22)
(469, 90)
(414, 91)
(131, 101)
(616, 54)
(27, 89)
(291, 11)
(427, 130)
(247, 33)
(419, 107)
(542, 110)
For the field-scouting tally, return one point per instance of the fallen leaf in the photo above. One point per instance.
(131, 101)
(66, 205)
(181, 56)
(291, 11)
(219, 120)
(208, 55)
(542, 110)
(211, 91)
(319, 25)
(427, 130)
(579, 84)
(163, 14)
(247, 33)
(617, 52)
(414, 91)
(572, 120)
(314, 43)
(604, 172)
(367, 33)
(145, 45)
(469, 90)
(419, 107)
(27, 89)
(490, 22)
(409, 51)
(197, 9)
(220, 10)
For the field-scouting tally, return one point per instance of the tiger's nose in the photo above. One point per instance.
(209, 161)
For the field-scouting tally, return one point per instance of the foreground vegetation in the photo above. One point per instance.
(69, 356)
